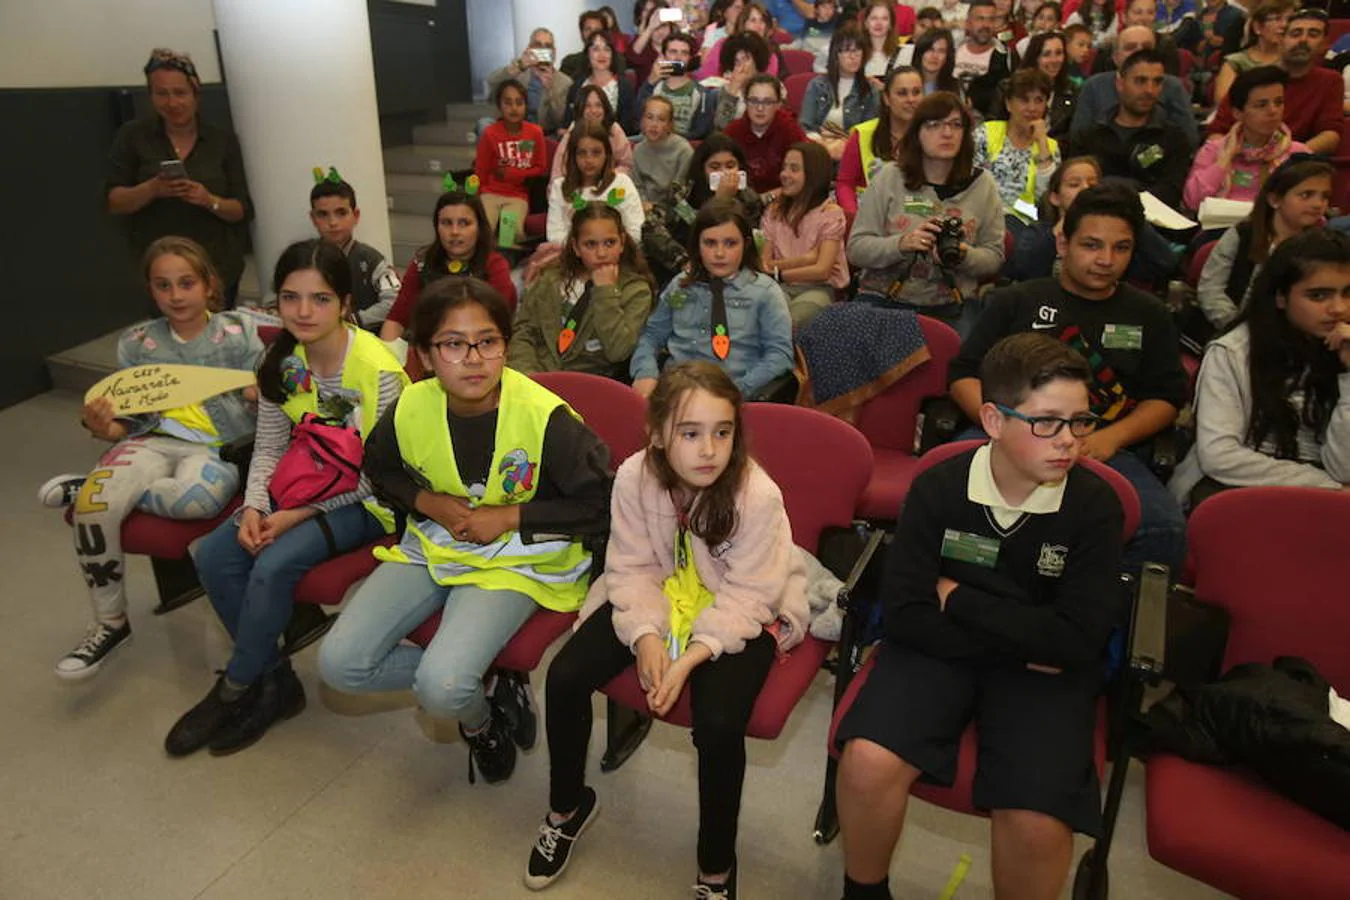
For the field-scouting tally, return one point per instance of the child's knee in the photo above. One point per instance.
(341, 665)
(447, 692)
(868, 767)
(1035, 833)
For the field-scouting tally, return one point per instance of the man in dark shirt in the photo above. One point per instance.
(1128, 339)
(999, 597)
(1133, 140)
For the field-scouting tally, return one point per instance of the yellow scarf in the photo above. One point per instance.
(688, 597)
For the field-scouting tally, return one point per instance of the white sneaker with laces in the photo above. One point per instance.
(85, 659)
(60, 490)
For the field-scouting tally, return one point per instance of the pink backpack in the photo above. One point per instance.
(323, 461)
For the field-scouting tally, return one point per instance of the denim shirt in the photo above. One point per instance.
(757, 319)
(230, 341)
(819, 100)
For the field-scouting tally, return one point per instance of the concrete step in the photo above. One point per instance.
(421, 159)
(412, 194)
(470, 111)
(80, 368)
(403, 253)
(405, 228)
(457, 132)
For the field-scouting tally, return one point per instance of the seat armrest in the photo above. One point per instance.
(1148, 625)
(782, 389)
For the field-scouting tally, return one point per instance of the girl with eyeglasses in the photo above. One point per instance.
(462, 455)
(841, 98)
(765, 131)
(931, 228)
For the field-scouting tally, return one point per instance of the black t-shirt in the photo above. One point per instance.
(1149, 371)
(1051, 596)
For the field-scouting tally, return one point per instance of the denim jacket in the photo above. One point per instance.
(230, 341)
(757, 319)
(819, 100)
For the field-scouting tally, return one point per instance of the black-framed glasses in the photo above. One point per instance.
(1050, 426)
(456, 350)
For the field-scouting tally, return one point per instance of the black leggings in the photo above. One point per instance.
(724, 692)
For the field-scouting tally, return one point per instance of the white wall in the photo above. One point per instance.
(94, 43)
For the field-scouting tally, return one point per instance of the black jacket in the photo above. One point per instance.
(1156, 158)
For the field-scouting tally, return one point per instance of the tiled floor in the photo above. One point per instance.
(357, 799)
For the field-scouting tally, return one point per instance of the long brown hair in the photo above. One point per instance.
(713, 517)
(934, 108)
(817, 172)
(892, 41)
(631, 259)
(192, 253)
(1283, 180)
(881, 137)
(572, 179)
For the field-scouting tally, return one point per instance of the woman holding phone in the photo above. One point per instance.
(174, 174)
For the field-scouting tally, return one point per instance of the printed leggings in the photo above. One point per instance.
(164, 476)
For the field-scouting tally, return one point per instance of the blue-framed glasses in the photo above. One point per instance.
(1050, 426)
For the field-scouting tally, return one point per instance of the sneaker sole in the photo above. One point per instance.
(49, 496)
(539, 882)
(285, 715)
(92, 670)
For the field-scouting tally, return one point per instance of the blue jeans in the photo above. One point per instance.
(1161, 535)
(253, 595)
(363, 651)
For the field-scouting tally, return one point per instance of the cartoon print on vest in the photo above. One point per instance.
(517, 472)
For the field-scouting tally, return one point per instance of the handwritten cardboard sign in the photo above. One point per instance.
(155, 388)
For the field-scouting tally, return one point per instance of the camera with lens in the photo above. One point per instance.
(950, 235)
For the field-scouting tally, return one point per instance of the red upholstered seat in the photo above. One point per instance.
(795, 87)
(1197, 264)
(152, 535)
(888, 422)
(796, 62)
(327, 583)
(526, 647)
(1274, 559)
(821, 465)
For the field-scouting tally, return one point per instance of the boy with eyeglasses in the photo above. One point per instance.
(1128, 339)
(1000, 593)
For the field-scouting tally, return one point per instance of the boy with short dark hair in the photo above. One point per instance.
(692, 105)
(375, 284)
(1000, 593)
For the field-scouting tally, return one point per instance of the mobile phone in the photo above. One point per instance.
(672, 66)
(670, 15)
(715, 178)
(172, 168)
(543, 55)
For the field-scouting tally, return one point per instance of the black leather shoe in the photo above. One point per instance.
(277, 695)
(201, 724)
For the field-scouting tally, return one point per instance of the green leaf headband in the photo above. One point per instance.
(614, 198)
(332, 177)
(471, 184)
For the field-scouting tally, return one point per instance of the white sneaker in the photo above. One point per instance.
(60, 490)
(85, 660)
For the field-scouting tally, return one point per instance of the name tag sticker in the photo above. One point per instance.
(1025, 209)
(918, 206)
(1123, 337)
(685, 212)
(972, 548)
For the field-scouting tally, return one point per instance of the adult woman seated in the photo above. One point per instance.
(754, 19)
(600, 73)
(1019, 152)
(935, 58)
(593, 106)
(841, 98)
(873, 144)
(1293, 200)
(172, 173)
(930, 229)
(1272, 401)
(1048, 54)
(1264, 33)
(714, 171)
(1235, 165)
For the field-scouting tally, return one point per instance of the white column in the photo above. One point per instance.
(301, 83)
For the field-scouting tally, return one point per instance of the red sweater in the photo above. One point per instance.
(1312, 105)
(498, 275)
(764, 155)
(501, 151)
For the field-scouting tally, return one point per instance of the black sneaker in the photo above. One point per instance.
(491, 749)
(60, 490)
(199, 726)
(85, 660)
(513, 699)
(705, 891)
(279, 695)
(553, 846)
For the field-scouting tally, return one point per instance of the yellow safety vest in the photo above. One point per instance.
(687, 595)
(367, 359)
(866, 131)
(552, 573)
(996, 134)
